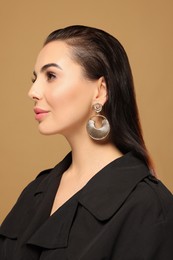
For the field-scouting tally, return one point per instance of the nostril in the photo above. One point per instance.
(35, 98)
(33, 95)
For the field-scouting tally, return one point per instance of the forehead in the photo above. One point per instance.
(53, 52)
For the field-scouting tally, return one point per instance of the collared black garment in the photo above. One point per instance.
(123, 213)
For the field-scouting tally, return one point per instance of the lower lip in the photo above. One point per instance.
(40, 116)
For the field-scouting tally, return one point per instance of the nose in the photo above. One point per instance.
(35, 92)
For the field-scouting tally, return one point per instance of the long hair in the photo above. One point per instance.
(101, 54)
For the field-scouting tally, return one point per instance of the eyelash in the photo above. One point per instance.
(33, 80)
(49, 76)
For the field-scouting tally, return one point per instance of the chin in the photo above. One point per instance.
(47, 130)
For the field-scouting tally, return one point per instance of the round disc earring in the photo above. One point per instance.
(98, 126)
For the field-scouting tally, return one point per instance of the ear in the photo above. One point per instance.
(101, 94)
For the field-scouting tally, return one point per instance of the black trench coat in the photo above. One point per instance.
(123, 213)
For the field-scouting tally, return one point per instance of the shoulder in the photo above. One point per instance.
(26, 196)
(43, 173)
(152, 201)
(32, 186)
(19, 213)
(47, 174)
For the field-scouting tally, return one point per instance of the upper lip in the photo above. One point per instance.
(38, 110)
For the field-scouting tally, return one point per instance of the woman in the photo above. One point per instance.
(102, 201)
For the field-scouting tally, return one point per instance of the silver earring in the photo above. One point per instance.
(98, 133)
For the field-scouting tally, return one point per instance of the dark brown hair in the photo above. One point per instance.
(101, 54)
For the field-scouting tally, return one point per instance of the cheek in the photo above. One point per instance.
(59, 101)
(74, 96)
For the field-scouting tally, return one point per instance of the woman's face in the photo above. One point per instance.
(62, 94)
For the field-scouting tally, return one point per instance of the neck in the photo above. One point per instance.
(88, 156)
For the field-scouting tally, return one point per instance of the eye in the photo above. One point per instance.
(34, 77)
(50, 76)
(33, 80)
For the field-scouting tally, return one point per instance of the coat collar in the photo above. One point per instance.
(108, 189)
(54, 173)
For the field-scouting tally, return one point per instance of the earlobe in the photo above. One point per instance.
(101, 92)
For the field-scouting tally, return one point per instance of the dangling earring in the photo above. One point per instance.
(99, 133)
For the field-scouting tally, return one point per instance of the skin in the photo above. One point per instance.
(61, 89)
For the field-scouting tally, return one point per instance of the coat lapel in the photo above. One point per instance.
(54, 233)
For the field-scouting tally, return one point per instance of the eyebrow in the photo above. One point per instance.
(47, 66)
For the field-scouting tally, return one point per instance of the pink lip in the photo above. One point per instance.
(40, 113)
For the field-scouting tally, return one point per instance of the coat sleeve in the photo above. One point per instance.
(153, 222)
(156, 241)
(142, 229)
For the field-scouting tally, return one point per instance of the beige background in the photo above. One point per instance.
(144, 27)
